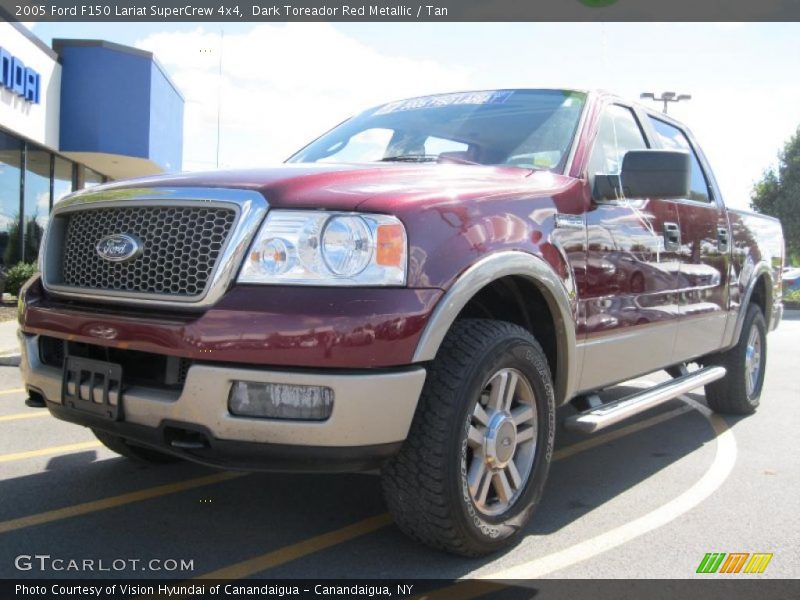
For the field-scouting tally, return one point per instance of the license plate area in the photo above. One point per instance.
(92, 386)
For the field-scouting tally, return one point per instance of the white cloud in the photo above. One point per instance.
(282, 86)
(742, 132)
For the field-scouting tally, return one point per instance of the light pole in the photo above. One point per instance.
(666, 98)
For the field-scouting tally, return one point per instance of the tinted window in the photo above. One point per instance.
(369, 144)
(10, 180)
(91, 178)
(62, 182)
(37, 201)
(523, 128)
(618, 133)
(673, 138)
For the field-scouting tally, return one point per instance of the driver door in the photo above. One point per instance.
(629, 309)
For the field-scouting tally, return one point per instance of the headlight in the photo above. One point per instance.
(325, 248)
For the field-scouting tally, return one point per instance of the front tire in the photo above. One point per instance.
(739, 392)
(472, 470)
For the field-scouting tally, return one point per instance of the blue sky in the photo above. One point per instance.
(283, 84)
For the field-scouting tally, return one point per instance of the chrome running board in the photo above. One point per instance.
(606, 415)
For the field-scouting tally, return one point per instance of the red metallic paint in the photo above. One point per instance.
(299, 327)
(454, 215)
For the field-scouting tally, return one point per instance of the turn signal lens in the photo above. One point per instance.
(391, 245)
(272, 255)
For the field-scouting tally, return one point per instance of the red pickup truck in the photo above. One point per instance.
(416, 291)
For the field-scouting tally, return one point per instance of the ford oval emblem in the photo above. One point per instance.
(118, 247)
(103, 331)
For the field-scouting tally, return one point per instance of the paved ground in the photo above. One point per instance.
(648, 499)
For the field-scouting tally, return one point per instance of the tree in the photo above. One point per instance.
(11, 250)
(778, 195)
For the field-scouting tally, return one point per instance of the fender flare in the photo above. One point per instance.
(492, 268)
(760, 269)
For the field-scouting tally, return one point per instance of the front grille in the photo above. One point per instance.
(180, 248)
(138, 368)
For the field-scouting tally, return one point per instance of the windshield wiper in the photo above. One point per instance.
(411, 158)
(423, 158)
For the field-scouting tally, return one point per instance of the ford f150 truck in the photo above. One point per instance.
(416, 291)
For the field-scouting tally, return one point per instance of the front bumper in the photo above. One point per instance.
(283, 326)
(372, 413)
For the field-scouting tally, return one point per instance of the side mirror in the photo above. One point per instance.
(661, 174)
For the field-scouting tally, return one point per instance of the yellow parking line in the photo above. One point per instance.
(310, 546)
(14, 391)
(114, 501)
(599, 440)
(47, 451)
(27, 415)
(299, 550)
(276, 557)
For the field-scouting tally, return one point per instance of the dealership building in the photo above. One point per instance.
(72, 116)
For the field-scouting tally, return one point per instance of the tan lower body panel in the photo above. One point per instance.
(368, 409)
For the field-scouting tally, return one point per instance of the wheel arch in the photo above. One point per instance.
(759, 290)
(760, 294)
(522, 269)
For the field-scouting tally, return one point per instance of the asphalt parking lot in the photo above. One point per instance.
(647, 499)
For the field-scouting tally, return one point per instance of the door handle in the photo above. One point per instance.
(672, 236)
(723, 239)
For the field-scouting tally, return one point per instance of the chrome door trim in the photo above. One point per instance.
(251, 208)
(492, 268)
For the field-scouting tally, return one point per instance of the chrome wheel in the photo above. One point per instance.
(501, 442)
(752, 361)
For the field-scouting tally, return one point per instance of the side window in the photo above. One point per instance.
(618, 133)
(673, 138)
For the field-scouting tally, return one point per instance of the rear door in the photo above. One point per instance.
(628, 294)
(704, 252)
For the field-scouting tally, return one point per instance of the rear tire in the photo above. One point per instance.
(119, 445)
(472, 470)
(739, 392)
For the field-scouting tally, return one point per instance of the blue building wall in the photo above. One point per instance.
(117, 100)
(166, 121)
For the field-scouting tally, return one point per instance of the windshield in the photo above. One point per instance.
(532, 129)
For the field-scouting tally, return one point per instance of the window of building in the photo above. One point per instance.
(10, 180)
(673, 138)
(41, 178)
(91, 178)
(37, 200)
(63, 178)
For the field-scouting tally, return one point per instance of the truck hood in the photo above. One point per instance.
(378, 187)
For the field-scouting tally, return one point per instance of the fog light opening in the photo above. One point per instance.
(280, 401)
